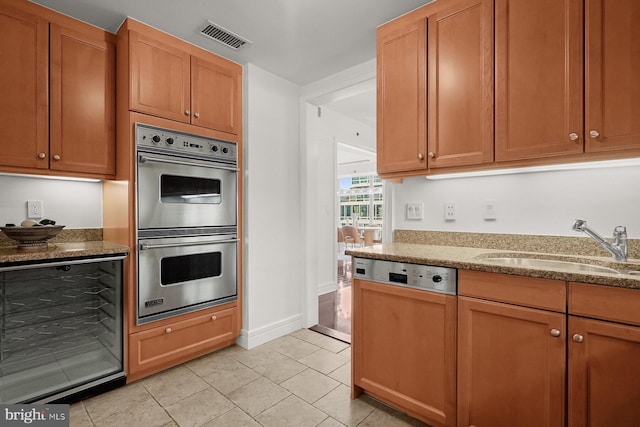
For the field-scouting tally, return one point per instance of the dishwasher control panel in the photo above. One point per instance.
(425, 277)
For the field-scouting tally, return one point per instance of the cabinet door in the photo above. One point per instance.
(604, 373)
(403, 344)
(460, 58)
(612, 104)
(511, 366)
(402, 97)
(82, 102)
(539, 78)
(216, 94)
(24, 90)
(160, 78)
(156, 349)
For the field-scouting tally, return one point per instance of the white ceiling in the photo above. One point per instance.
(300, 40)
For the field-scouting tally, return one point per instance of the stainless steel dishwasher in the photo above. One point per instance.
(404, 337)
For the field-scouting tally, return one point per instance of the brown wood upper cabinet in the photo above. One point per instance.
(57, 109)
(168, 80)
(544, 106)
(435, 88)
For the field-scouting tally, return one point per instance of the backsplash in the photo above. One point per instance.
(512, 242)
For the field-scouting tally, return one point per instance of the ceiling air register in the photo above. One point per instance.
(224, 36)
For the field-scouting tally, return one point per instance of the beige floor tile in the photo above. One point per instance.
(293, 347)
(339, 405)
(235, 417)
(310, 385)
(305, 334)
(258, 395)
(199, 408)
(330, 422)
(330, 344)
(120, 399)
(173, 385)
(147, 413)
(278, 367)
(78, 416)
(224, 373)
(342, 374)
(346, 353)
(324, 361)
(291, 412)
(257, 356)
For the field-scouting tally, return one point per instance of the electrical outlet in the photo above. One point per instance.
(415, 211)
(489, 210)
(34, 209)
(449, 211)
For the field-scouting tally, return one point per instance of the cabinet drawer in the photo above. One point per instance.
(526, 291)
(605, 302)
(156, 349)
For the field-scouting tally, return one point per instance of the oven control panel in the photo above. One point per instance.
(151, 138)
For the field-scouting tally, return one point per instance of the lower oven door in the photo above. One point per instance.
(178, 275)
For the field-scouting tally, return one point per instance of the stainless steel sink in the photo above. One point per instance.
(576, 267)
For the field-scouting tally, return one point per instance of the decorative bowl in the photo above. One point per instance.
(32, 237)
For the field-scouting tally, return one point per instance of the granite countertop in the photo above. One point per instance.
(11, 254)
(480, 259)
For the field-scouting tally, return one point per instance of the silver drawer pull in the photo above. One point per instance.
(143, 158)
(555, 332)
(578, 338)
(145, 246)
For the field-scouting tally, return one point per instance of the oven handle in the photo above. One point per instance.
(143, 158)
(145, 246)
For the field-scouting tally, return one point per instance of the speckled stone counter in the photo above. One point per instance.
(71, 243)
(473, 258)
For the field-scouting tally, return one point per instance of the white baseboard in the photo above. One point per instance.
(325, 288)
(256, 337)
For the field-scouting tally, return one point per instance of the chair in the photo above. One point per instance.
(351, 235)
(340, 238)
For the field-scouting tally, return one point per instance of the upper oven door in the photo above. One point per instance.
(176, 192)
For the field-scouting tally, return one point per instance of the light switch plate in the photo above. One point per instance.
(415, 211)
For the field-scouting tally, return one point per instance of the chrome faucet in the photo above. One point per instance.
(618, 248)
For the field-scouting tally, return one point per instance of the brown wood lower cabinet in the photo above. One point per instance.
(511, 365)
(155, 349)
(403, 346)
(511, 350)
(604, 368)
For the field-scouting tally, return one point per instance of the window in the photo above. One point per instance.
(361, 201)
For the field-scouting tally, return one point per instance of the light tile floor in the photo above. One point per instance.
(301, 379)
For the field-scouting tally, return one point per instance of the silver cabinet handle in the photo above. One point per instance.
(214, 317)
(42, 156)
(168, 330)
(56, 157)
(594, 134)
(146, 246)
(196, 115)
(143, 158)
(578, 338)
(573, 136)
(187, 112)
(420, 156)
(431, 154)
(555, 332)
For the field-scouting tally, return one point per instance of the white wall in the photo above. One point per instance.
(74, 204)
(544, 203)
(273, 261)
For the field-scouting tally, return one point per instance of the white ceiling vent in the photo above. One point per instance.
(224, 36)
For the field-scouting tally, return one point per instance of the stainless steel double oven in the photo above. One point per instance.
(187, 222)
